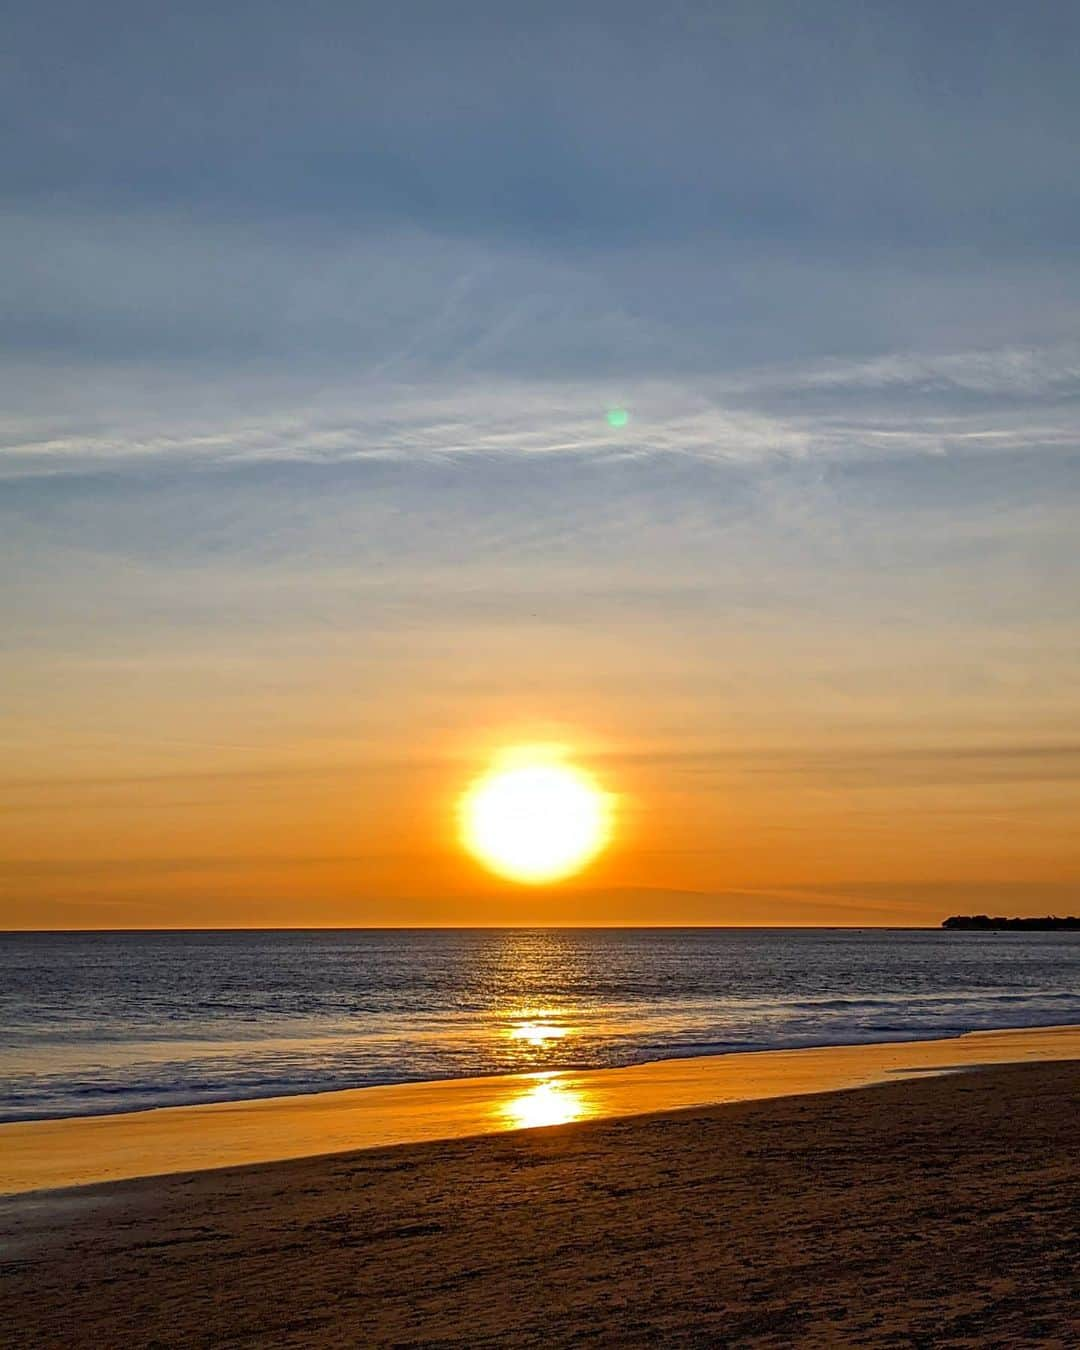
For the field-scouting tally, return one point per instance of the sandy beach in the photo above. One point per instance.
(936, 1210)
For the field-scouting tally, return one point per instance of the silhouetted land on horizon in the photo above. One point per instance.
(986, 922)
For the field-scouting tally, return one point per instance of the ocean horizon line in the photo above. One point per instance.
(498, 927)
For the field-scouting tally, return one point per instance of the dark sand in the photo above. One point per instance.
(929, 1212)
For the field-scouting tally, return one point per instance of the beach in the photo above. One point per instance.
(928, 1210)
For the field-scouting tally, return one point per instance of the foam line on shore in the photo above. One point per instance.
(50, 1154)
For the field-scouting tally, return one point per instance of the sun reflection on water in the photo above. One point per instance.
(550, 1101)
(537, 1033)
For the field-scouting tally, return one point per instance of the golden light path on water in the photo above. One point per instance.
(537, 1034)
(551, 1099)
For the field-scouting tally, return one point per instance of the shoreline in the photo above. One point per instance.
(60, 1153)
(262, 1095)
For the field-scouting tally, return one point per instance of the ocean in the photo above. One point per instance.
(93, 1023)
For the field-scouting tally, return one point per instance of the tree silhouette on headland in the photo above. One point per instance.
(983, 922)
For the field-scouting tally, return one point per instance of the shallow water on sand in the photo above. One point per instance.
(46, 1154)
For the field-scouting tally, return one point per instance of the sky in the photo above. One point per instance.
(310, 505)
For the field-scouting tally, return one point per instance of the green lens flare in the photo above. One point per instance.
(618, 417)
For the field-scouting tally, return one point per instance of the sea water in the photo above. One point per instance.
(105, 1022)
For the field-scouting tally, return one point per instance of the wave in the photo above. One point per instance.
(99, 1026)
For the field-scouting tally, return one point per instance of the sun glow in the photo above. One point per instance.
(535, 819)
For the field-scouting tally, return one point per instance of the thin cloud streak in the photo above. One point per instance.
(371, 420)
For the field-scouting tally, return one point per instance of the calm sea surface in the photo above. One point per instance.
(95, 1023)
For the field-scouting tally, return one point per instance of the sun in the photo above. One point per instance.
(534, 818)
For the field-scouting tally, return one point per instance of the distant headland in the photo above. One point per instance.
(983, 922)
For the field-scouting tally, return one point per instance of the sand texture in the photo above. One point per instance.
(930, 1212)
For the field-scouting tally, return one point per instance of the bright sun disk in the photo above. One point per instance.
(535, 821)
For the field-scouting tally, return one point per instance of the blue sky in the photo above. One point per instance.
(312, 318)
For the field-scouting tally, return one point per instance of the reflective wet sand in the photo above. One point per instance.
(48, 1154)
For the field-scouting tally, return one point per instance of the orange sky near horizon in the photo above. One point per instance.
(307, 773)
(745, 834)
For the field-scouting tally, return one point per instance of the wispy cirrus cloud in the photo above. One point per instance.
(1011, 405)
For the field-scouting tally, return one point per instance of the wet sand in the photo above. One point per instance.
(934, 1211)
(49, 1154)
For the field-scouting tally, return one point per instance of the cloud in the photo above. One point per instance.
(166, 420)
(1007, 371)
